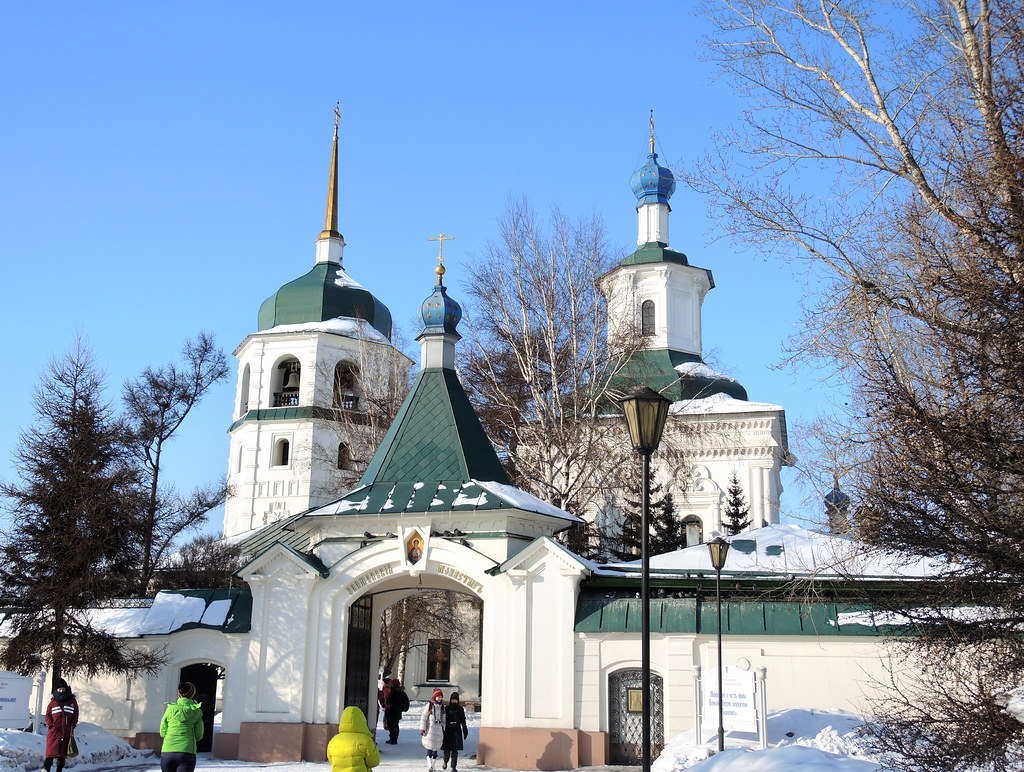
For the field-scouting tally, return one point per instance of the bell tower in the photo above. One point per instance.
(314, 385)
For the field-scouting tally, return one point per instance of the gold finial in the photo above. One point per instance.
(331, 216)
(441, 239)
(652, 132)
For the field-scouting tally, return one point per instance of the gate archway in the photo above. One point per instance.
(625, 716)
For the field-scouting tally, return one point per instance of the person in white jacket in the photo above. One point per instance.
(432, 727)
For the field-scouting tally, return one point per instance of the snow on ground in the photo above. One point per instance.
(804, 740)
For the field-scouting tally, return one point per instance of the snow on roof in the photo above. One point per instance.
(523, 500)
(719, 403)
(345, 326)
(170, 611)
(785, 550)
(701, 370)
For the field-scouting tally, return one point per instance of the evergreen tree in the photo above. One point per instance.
(69, 548)
(737, 511)
(666, 531)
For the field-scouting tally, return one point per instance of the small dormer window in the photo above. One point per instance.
(647, 317)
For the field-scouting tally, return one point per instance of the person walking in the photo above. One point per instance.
(382, 702)
(61, 718)
(181, 727)
(396, 704)
(353, 748)
(432, 727)
(455, 731)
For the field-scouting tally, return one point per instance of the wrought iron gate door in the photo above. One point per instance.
(625, 717)
(357, 658)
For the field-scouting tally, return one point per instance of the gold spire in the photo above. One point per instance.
(441, 239)
(331, 217)
(652, 132)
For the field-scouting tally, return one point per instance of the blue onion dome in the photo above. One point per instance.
(653, 183)
(439, 313)
(836, 499)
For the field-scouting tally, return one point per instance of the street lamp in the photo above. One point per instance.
(719, 548)
(646, 412)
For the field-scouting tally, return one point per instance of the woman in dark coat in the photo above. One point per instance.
(396, 704)
(61, 718)
(455, 731)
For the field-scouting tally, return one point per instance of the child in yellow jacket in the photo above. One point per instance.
(353, 748)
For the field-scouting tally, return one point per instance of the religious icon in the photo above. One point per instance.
(415, 548)
(634, 700)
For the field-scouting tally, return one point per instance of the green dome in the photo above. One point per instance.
(326, 292)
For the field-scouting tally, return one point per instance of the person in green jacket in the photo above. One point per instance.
(181, 727)
(353, 748)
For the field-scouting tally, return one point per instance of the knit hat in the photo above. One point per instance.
(395, 682)
(186, 689)
(437, 694)
(454, 697)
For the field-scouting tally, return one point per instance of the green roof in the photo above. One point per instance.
(657, 368)
(656, 252)
(595, 614)
(436, 436)
(326, 292)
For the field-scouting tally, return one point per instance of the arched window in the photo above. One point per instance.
(288, 378)
(243, 394)
(647, 317)
(344, 458)
(346, 386)
(693, 530)
(281, 452)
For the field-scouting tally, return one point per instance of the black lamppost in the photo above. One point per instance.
(719, 548)
(646, 412)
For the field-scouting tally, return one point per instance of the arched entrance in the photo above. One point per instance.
(625, 716)
(207, 677)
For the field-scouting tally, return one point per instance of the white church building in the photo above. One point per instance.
(558, 662)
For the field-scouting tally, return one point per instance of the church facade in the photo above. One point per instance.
(559, 644)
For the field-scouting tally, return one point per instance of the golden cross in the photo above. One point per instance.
(441, 239)
(652, 130)
(440, 247)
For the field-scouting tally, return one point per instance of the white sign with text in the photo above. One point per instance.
(738, 708)
(14, 695)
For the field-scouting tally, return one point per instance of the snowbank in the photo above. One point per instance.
(23, 751)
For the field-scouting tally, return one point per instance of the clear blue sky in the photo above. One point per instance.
(163, 169)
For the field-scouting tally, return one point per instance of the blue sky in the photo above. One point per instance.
(163, 169)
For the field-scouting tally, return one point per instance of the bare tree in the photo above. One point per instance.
(204, 562)
(368, 390)
(538, 362)
(156, 405)
(883, 143)
(408, 623)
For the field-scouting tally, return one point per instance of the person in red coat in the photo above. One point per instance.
(61, 718)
